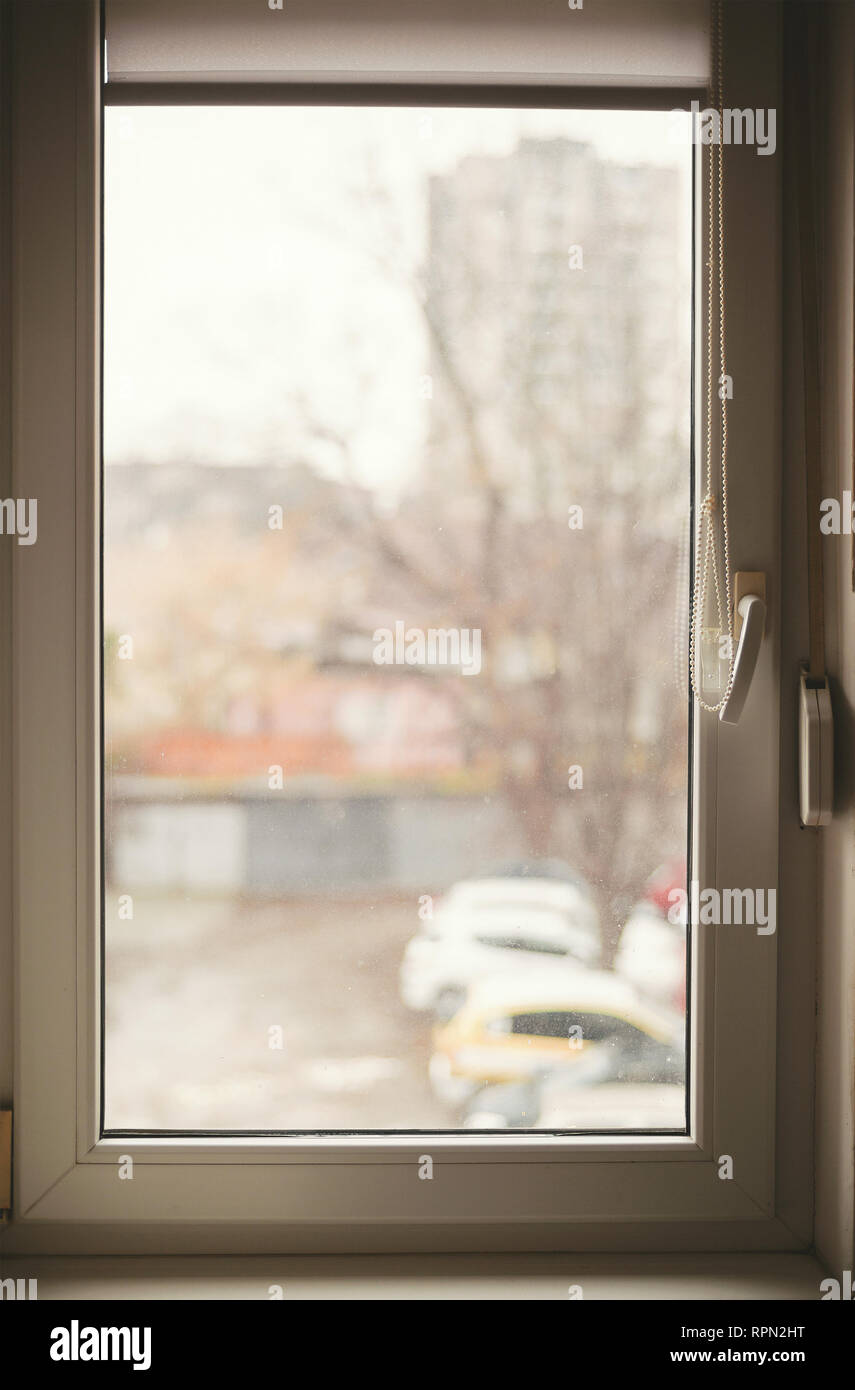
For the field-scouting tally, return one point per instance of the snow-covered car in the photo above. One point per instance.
(495, 926)
(651, 953)
(543, 887)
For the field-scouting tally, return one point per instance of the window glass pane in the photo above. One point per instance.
(396, 485)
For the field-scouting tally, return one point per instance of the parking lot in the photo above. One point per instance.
(194, 988)
(251, 1014)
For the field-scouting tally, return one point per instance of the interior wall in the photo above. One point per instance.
(835, 1096)
(798, 909)
(5, 565)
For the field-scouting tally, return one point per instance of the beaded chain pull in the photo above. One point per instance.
(711, 638)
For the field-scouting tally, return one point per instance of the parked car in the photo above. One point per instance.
(513, 1029)
(555, 1100)
(651, 953)
(627, 1105)
(485, 927)
(513, 1105)
(550, 870)
(547, 881)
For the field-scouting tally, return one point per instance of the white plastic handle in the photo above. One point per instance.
(752, 611)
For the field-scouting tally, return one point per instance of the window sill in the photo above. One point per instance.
(425, 1277)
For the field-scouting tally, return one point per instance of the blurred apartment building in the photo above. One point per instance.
(559, 321)
(559, 287)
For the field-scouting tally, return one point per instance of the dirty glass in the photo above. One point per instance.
(396, 488)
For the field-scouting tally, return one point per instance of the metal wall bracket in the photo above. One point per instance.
(816, 750)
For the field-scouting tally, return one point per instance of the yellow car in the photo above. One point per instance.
(588, 1020)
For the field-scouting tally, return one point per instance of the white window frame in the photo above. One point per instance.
(362, 1193)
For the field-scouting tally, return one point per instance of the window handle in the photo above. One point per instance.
(752, 611)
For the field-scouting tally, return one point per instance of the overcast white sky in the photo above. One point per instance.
(238, 269)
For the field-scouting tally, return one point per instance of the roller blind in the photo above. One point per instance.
(606, 43)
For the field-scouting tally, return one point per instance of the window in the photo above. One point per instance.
(542, 1025)
(595, 1028)
(381, 623)
(244, 1188)
(523, 943)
